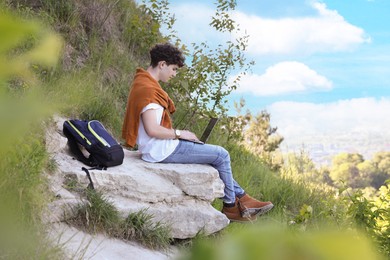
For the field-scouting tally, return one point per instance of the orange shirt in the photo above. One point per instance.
(144, 90)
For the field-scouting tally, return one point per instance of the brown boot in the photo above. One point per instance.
(234, 214)
(252, 207)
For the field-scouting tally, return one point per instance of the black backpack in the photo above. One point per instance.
(104, 150)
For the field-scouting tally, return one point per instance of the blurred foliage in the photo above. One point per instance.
(363, 190)
(25, 48)
(267, 241)
(371, 215)
(24, 45)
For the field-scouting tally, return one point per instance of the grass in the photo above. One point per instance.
(139, 227)
(99, 215)
(287, 194)
(23, 192)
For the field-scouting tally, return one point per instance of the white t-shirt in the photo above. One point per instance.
(153, 149)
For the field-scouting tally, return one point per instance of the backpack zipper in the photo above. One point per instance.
(81, 134)
(101, 139)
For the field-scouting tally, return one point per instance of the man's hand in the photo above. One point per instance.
(187, 135)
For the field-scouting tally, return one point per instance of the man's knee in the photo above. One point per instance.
(224, 154)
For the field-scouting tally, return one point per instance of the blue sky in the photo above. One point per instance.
(322, 67)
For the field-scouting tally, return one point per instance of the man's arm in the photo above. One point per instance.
(153, 129)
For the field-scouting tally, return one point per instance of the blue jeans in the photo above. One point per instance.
(216, 156)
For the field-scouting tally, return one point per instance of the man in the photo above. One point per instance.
(147, 123)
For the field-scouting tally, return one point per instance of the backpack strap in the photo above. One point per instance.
(90, 185)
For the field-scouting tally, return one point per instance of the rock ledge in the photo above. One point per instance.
(178, 195)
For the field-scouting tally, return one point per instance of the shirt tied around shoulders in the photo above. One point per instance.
(144, 90)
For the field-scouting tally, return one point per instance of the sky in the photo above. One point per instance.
(321, 67)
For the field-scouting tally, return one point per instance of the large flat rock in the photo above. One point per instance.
(179, 195)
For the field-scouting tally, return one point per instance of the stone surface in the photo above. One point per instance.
(79, 245)
(176, 194)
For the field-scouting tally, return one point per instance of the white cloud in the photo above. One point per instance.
(192, 22)
(283, 78)
(360, 115)
(327, 32)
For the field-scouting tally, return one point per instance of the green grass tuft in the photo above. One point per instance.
(99, 215)
(140, 227)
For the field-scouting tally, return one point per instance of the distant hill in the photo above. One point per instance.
(322, 148)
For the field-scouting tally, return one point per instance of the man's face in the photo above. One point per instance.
(168, 71)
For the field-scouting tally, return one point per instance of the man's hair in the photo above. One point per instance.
(168, 53)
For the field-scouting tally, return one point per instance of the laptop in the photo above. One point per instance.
(206, 133)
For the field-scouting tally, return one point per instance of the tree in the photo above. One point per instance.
(344, 168)
(234, 126)
(261, 139)
(359, 173)
(300, 165)
(353, 158)
(368, 172)
(381, 162)
(201, 87)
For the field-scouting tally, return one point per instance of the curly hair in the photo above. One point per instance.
(168, 53)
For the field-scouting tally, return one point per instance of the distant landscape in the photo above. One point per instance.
(323, 147)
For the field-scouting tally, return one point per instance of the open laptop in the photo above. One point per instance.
(206, 133)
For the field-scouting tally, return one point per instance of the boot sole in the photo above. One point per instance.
(243, 221)
(257, 211)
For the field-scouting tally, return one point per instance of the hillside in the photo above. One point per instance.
(102, 43)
